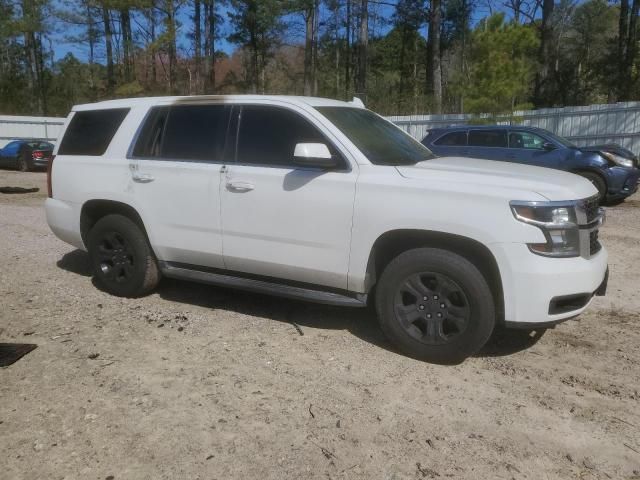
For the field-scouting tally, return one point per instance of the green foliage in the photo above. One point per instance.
(502, 65)
(489, 65)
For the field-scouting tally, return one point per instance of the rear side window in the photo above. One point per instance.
(90, 132)
(453, 139)
(488, 138)
(186, 132)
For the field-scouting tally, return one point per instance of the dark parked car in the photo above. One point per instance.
(26, 155)
(613, 170)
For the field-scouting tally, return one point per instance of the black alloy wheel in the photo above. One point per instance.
(432, 308)
(116, 259)
(121, 258)
(435, 305)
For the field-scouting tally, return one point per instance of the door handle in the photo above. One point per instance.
(142, 178)
(240, 186)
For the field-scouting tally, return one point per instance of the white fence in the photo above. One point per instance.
(591, 125)
(41, 128)
(616, 123)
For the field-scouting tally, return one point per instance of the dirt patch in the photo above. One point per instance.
(199, 382)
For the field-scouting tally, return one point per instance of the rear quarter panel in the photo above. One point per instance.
(78, 178)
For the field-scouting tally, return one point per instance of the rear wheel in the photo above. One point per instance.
(121, 258)
(435, 305)
(24, 162)
(597, 182)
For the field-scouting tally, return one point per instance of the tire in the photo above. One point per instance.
(23, 162)
(121, 258)
(457, 317)
(597, 182)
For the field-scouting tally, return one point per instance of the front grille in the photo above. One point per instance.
(594, 243)
(591, 206)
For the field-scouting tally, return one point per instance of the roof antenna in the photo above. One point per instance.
(357, 102)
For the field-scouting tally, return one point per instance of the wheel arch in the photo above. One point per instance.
(594, 171)
(94, 210)
(394, 242)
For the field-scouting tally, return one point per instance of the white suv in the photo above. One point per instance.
(326, 201)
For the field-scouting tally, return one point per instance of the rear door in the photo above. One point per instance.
(280, 220)
(490, 144)
(175, 167)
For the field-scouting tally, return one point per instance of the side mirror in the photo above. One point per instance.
(313, 155)
(548, 146)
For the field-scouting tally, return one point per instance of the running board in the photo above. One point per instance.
(261, 286)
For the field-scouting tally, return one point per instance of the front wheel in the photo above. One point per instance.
(597, 181)
(121, 258)
(435, 305)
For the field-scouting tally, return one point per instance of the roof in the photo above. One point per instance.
(148, 101)
(485, 127)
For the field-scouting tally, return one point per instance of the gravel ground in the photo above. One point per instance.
(195, 382)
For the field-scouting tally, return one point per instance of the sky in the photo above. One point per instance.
(62, 41)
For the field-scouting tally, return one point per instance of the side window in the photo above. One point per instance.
(186, 132)
(488, 138)
(150, 137)
(525, 140)
(91, 132)
(196, 132)
(453, 139)
(268, 135)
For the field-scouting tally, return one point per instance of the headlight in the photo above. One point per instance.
(558, 223)
(617, 159)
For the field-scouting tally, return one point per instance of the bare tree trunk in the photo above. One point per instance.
(255, 69)
(415, 74)
(347, 55)
(316, 30)
(434, 53)
(210, 46)
(197, 42)
(544, 55)
(91, 37)
(154, 73)
(336, 12)
(631, 51)
(170, 26)
(109, 48)
(363, 45)
(127, 43)
(309, 20)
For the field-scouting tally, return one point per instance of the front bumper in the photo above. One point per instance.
(622, 182)
(532, 283)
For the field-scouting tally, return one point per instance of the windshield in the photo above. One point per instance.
(379, 140)
(562, 141)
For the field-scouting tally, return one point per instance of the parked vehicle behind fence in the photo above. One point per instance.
(26, 155)
(324, 201)
(609, 169)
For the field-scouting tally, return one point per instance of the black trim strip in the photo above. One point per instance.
(263, 284)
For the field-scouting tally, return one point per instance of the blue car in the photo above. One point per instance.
(26, 155)
(614, 175)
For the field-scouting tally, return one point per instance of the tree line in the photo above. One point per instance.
(399, 56)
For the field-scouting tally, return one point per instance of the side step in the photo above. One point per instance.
(262, 286)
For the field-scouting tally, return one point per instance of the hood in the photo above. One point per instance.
(498, 176)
